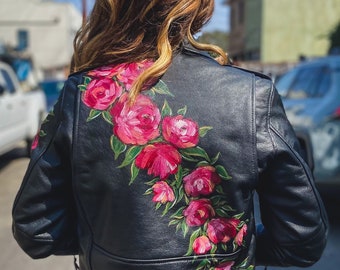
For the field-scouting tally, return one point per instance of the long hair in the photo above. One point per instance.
(119, 31)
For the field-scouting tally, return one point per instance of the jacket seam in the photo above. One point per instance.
(300, 160)
(253, 127)
(268, 124)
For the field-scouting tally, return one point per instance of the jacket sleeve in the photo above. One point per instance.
(294, 222)
(44, 218)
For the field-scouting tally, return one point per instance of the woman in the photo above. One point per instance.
(153, 152)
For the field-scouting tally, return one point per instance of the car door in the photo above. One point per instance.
(12, 111)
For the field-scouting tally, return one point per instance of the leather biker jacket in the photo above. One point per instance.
(176, 193)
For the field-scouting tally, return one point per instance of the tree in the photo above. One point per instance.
(218, 38)
(334, 38)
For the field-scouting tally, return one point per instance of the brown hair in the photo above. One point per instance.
(119, 31)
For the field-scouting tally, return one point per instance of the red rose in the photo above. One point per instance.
(159, 159)
(35, 142)
(198, 212)
(162, 192)
(240, 235)
(100, 94)
(225, 266)
(201, 181)
(201, 245)
(222, 229)
(179, 131)
(136, 124)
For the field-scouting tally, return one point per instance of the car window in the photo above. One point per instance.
(6, 82)
(306, 82)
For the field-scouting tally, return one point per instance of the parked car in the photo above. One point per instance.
(52, 89)
(21, 112)
(311, 97)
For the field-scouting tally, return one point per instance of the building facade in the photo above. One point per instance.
(282, 30)
(42, 29)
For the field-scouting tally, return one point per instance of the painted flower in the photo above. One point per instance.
(100, 94)
(201, 245)
(107, 71)
(35, 142)
(180, 131)
(163, 193)
(201, 181)
(198, 212)
(225, 266)
(160, 159)
(222, 230)
(239, 237)
(136, 124)
(131, 71)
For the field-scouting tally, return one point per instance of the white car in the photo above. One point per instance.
(20, 112)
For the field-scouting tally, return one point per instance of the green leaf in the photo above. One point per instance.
(204, 130)
(203, 163)
(82, 87)
(184, 227)
(166, 209)
(219, 189)
(131, 155)
(195, 152)
(152, 182)
(178, 214)
(107, 117)
(87, 80)
(239, 216)
(117, 146)
(214, 160)
(174, 222)
(213, 249)
(134, 173)
(42, 133)
(93, 114)
(220, 212)
(222, 172)
(162, 88)
(166, 110)
(148, 191)
(193, 237)
(182, 111)
(158, 205)
(203, 264)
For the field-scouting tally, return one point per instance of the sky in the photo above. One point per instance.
(219, 21)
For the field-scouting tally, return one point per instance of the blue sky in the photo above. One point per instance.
(219, 21)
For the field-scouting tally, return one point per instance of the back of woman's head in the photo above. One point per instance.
(120, 31)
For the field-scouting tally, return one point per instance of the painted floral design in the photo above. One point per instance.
(163, 143)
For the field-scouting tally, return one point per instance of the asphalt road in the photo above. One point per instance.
(12, 169)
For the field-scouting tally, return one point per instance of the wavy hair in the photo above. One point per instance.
(119, 31)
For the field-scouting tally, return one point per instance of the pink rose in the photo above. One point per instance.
(107, 71)
(132, 71)
(225, 266)
(179, 131)
(201, 245)
(160, 159)
(136, 124)
(35, 142)
(222, 229)
(239, 237)
(100, 94)
(162, 192)
(198, 212)
(201, 181)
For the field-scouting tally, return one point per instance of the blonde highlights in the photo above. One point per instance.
(119, 31)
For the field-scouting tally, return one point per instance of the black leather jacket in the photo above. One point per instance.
(103, 192)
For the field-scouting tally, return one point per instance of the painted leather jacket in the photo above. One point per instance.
(168, 182)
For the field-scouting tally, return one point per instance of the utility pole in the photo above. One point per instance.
(84, 6)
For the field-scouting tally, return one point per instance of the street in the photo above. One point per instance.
(12, 168)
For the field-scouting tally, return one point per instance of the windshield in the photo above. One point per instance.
(305, 82)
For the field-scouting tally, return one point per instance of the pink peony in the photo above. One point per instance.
(179, 131)
(100, 94)
(198, 212)
(225, 266)
(201, 245)
(162, 192)
(159, 159)
(222, 229)
(136, 124)
(240, 235)
(201, 181)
